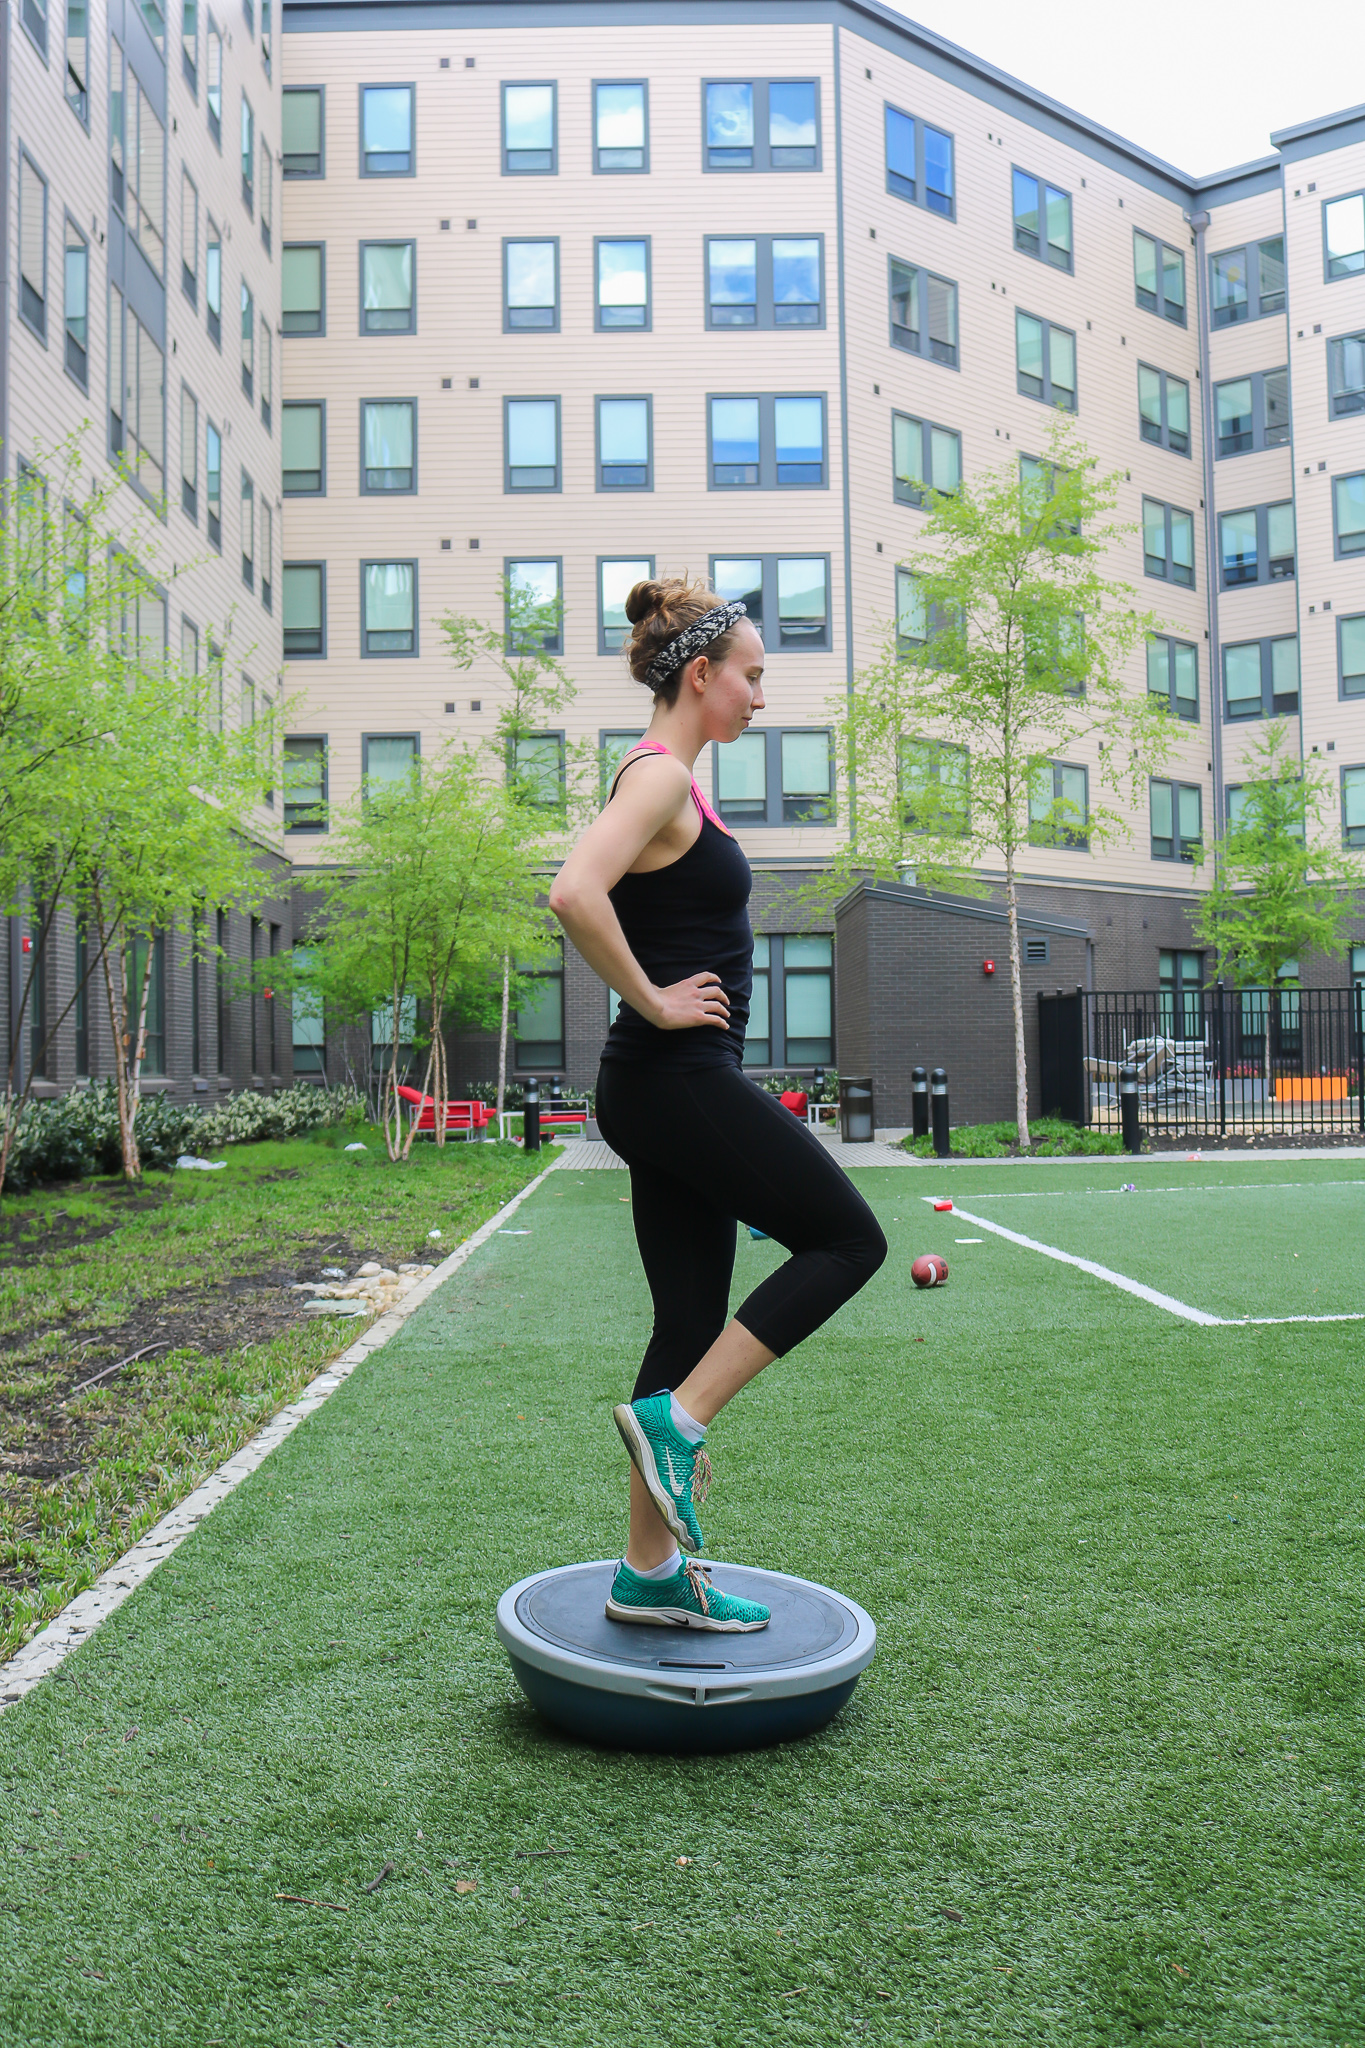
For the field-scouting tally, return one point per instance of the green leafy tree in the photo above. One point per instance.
(555, 783)
(435, 882)
(121, 802)
(1283, 884)
(1011, 647)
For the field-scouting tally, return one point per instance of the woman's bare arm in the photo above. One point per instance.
(652, 795)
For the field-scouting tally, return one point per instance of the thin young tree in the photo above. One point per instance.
(554, 781)
(1012, 646)
(119, 799)
(1283, 883)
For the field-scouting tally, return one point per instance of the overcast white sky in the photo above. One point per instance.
(1199, 82)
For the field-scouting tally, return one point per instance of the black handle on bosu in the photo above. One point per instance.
(1128, 1109)
(938, 1111)
(530, 1116)
(919, 1103)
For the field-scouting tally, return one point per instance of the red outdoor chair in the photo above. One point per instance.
(794, 1099)
(462, 1119)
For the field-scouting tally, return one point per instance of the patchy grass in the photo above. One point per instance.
(182, 1286)
(1052, 1139)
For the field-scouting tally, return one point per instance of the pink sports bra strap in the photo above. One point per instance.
(654, 747)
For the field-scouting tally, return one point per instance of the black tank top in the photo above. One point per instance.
(687, 918)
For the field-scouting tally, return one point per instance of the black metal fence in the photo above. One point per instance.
(1209, 1061)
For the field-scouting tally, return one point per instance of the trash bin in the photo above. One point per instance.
(855, 1111)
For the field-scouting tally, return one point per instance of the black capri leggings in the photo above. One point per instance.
(705, 1146)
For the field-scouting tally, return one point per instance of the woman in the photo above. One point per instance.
(655, 897)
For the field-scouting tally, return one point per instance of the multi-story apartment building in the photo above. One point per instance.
(139, 315)
(572, 293)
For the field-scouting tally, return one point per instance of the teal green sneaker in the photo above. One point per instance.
(687, 1600)
(676, 1472)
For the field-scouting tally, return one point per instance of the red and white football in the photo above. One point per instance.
(929, 1270)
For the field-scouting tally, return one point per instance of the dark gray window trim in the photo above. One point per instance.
(515, 170)
(615, 170)
(189, 279)
(287, 406)
(909, 494)
(1259, 443)
(1176, 705)
(1039, 254)
(767, 442)
(1268, 709)
(1168, 377)
(1254, 309)
(773, 798)
(1341, 554)
(777, 974)
(190, 510)
(409, 490)
(385, 242)
(522, 241)
(318, 332)
(765, 309)
(926, 347)
(35, 28)
(407, 653)
(82, 382)
(1066, 838)
(1263, 574)
(1048, 326)
(214, 121)
(544, 732)
(613, 653)
(1167, 574)
(293, 177)
(771, 616)
(309, 562)
(322, 824)
(606, 776)
(639, 397)
(1332, 199)
(533, 490)
(917, 199)
(605, 327)
(762, 162)
(82, 112)
(1346, 696)
(215, 540)
(1181, 849)
(507, 565)
(39, 332)
(1334, 410)
(1347, 768)
(1160, 311)
(366, 737)
(249, 178)
(213, 321)
(406, 85)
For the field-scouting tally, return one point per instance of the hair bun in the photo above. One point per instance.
(645, 598)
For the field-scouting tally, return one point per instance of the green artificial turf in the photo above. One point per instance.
(1100, 1785)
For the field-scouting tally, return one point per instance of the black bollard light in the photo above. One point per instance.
(919, 1103)
(1128, 1109)
(530, 1116)
(556, 1093)
(938, 1110)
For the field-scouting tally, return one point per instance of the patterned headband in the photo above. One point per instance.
(692, 639)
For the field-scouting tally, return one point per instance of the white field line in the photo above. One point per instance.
(1208, 1187)
(67, 1630)
(1050, 1251)
(1157, 1299)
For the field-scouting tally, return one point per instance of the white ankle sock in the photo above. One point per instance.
(666, 1570)
(692, 1431)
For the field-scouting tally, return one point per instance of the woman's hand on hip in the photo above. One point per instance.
(698, 1000)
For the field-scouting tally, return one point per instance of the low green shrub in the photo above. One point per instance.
(1052, 1138)
(78, 1134)
(782, 1084)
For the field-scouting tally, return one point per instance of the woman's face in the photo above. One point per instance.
(732, 690)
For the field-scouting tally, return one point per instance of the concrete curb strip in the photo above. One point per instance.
(67, 1630)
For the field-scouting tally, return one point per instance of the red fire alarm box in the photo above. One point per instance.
(988, 967)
